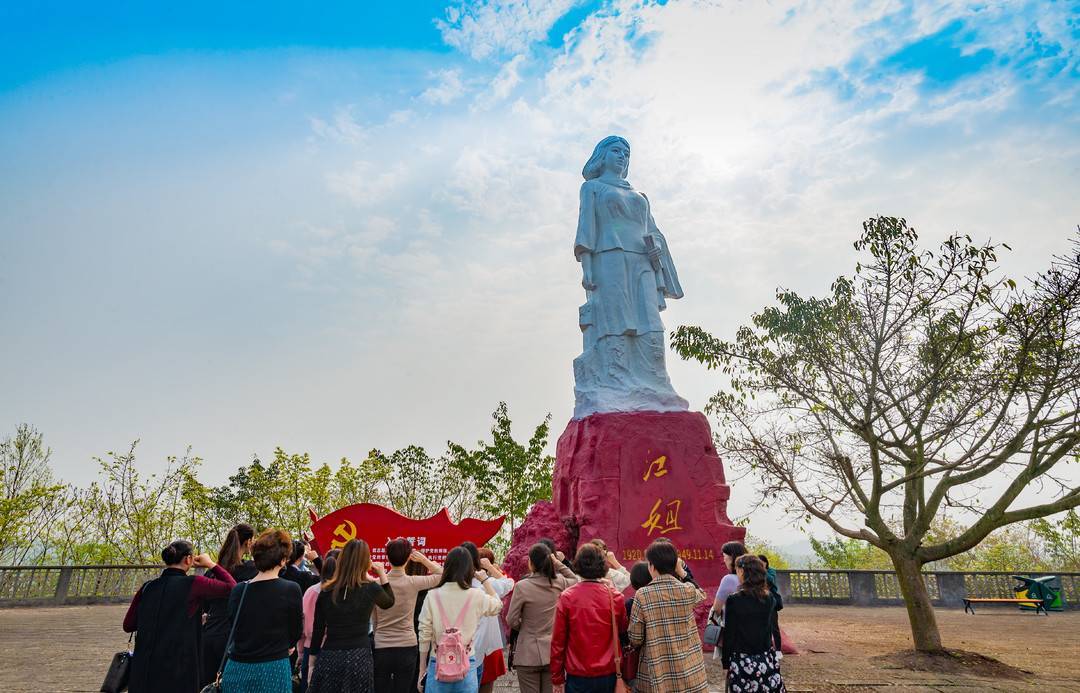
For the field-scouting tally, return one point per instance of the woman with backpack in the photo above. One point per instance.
(448, 623)
(751, 634)
(342, 663)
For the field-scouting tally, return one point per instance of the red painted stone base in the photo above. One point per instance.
(630, 478)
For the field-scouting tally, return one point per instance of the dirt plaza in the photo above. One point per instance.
(68, 649)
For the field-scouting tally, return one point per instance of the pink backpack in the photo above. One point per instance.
(451, 650)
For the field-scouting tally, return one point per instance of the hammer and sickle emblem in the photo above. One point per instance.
(345, 532)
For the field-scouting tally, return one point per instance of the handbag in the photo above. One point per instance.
(215, 686)
(713, 632)
(631, 657)
(620, 683)
(513, 648)
(116, 678)
(297, 679)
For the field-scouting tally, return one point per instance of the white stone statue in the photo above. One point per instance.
(627, 274)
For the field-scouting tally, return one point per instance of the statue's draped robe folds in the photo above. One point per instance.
(622, 365)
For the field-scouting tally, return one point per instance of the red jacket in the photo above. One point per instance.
(581, 641)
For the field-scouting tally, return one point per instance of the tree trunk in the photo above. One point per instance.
(924, 628)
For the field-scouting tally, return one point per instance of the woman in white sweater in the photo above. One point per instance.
(452, 595)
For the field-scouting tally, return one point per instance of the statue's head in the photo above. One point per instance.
(608, 152)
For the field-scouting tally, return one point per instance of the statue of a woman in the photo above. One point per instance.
(627, 274)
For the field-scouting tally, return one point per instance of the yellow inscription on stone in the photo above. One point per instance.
(666, 522)
(656, 468)
(345, 532)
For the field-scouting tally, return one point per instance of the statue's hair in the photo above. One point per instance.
(595, 165)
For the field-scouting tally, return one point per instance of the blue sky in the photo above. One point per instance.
(348, 225)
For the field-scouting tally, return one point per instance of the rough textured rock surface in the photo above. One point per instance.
(632, 477)
(543, 521)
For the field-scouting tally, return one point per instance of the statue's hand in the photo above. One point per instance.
(654, 254)
(587, 284)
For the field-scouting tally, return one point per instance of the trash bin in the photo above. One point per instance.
(1053, 583)
(1046, 589)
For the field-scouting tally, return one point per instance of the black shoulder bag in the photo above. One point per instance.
(116, 678)
(215, 687)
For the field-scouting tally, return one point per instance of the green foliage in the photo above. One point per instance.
(1039, 545)
(126, 516)
(763, 547)
(135, 515)
(848, 554)
(509, 476)
(417, 484)
(1061, 539)
(924, 382)
(30, 500)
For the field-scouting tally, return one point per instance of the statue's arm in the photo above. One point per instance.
(586, 272)
(585, 242)
(671, 288)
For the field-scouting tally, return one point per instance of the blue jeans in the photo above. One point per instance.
(470, 684)
(590, 684)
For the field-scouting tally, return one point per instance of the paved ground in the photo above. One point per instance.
(68, 649)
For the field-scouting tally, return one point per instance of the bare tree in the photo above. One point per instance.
(921, 383)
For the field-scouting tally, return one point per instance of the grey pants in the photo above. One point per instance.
(533, 679)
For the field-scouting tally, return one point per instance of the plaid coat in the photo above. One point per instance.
(662, 624)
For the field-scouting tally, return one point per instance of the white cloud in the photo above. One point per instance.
(342, 127)
(448, 89)
(503, 84)
(484, 28)
(367, 183)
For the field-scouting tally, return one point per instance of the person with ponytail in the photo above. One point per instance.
(751, 635)
(489, 642)
(532, 615)
(311, 596)
(215, 630)
(167, 615)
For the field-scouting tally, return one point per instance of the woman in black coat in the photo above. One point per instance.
(167, 615)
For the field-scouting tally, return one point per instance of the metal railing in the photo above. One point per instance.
(97, 584)
(882, 588)
(72, 584)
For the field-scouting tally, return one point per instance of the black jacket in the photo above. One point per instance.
(168, 640)
(300, 577)
(750, 625)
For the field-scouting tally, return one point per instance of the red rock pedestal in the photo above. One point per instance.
(631, 478)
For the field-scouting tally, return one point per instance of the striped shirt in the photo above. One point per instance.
(662, 624)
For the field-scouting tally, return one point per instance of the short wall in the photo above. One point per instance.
(881, 587)
(110, 584)
(73, 584)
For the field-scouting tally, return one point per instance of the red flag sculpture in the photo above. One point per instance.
(377, 525)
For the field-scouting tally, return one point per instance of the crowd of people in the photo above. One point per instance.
(287, 620)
